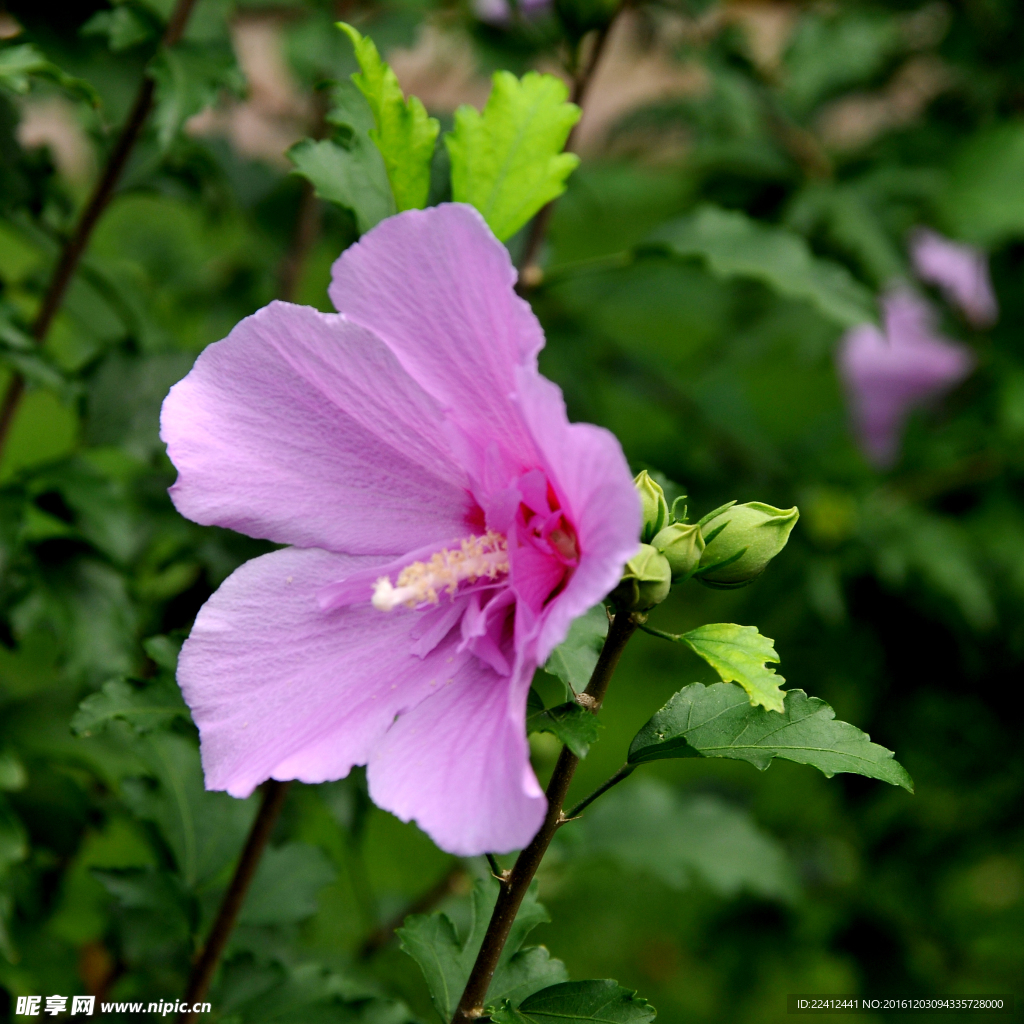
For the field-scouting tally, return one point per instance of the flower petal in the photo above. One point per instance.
(438, 287)
(303, 428)
(281, 688)
(586, 467)
(960, 270)
(458, 764)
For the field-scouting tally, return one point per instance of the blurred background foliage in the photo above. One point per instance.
(712, 888)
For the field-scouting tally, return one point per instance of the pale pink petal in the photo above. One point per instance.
(458, 765)
(887, 375)
(438, 288)
(281, 688)
(302, 428)
(960, 271)
(587, 469)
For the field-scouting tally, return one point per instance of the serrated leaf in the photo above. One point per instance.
(189, 77)
(353, 177)
(578, 1002)
(573, 725)
(719, 721)
(286, 885)
(738, 654)
(446, 958)
(203, 830)
(144, 708)
(507, 160)
(735, 245)
(648, 826)
(574, 659)
(19, 64)
(404, 133)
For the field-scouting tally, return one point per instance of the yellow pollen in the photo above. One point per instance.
(476, 558)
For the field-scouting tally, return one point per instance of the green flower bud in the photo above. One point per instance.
(682, 544)
(740, 541)
(646, 581)
(655, 507)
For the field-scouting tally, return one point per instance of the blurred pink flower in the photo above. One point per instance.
(504, 13)
(448, 523)
(959, 270)
(887, 375)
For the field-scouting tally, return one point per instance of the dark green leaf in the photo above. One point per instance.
(646, 825)
(13, 838)
(18, 64)
(446, 958)
(144, 708)
(573, 725)
(578, 1002)
(735, 245)
(507, 161)
(286, 885)
(189, 77)
(574, 659)
(719, 721)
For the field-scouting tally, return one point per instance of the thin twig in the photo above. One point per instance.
(75, 246)
(530, 274)
(204, 968)
(512, 893)
(623, 773)
(455, 881)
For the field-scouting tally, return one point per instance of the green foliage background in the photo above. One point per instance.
(693, 297)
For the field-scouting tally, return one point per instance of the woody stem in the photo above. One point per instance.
(515, 886)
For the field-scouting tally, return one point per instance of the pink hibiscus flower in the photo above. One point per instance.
(447, 524)
(887, 375)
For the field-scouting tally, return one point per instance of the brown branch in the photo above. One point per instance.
(530, 274)
(204, 968)
(514, 889)
(75, 246)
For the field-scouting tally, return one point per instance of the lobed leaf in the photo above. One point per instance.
(735, 245)
(404, 133)
(719, 721)
(446, 959)
(287, 884)
(143, 709)
(507, 160)
(738, 654)
(19, 64)
(578, 1002)
(573, 725)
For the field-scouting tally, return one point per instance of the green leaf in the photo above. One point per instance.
(735, 245)
(144, 708)
(19, 64)
(984, 197)
(12, 772)
(738, 654)
(648, 826)
(573, 725)
(349, 169)
(203, 830)
(125, 26)
(189, 77)
(578, 1002)
(286, 885)
(13, 838)
(719, 721)
(446, 959)
(507, 161)
(574, 659)
(404, 133)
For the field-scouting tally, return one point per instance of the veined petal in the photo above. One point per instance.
(438, 288)
(458, 764)
(303, 428)
(282, 688)
(586, 467)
